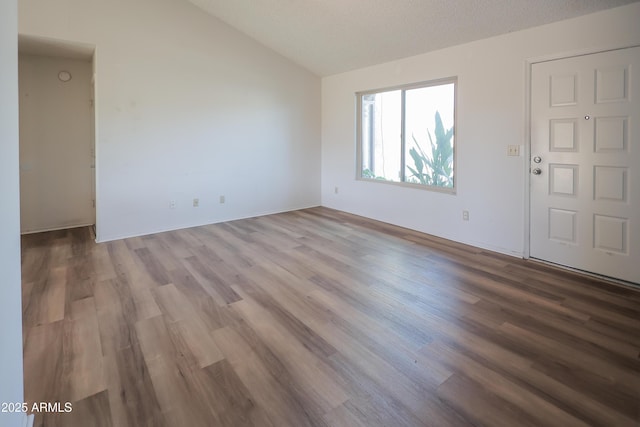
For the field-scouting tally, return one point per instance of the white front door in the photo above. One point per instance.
(585, 163)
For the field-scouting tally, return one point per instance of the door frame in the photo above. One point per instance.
(529, 63)
(94, 136)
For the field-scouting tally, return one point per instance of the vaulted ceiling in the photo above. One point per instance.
(332, 36)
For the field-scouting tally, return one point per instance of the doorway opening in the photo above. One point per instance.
(57, 135)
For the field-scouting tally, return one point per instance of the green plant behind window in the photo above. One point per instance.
(366, 173)
(435, 168)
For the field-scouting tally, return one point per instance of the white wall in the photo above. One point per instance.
(11, 385)
(188, 107)
(56, 142)
(491, 115)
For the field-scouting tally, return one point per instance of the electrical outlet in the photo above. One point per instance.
(222, 199)
(465, 215)
(513, 150)
(172, 204)
(196, 203)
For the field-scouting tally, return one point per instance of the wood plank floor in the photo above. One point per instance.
(320, 318)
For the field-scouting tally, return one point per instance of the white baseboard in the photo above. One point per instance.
(64, 227)
(27, 421)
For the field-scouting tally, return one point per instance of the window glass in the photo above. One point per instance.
(429, 135)
(407, 135)
(381, 128)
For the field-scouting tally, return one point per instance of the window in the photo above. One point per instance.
(406, 134)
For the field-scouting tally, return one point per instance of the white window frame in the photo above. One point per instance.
(403, 88)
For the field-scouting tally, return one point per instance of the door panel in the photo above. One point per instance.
(585, 147)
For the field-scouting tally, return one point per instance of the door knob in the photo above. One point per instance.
(536, 171)
(537, 159)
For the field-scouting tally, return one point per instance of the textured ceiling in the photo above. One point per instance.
(332, 36)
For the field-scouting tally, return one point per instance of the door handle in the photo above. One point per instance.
(536, 171)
